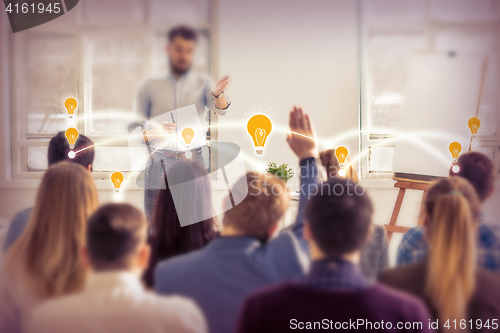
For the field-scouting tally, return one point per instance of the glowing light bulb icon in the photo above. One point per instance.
(188, 135)
(455, 150)
(71, 135)
(70, 104)
(474, 124)
(259, 127)
(117, 179)
(341, 153)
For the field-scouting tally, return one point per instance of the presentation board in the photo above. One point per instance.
(441, 96)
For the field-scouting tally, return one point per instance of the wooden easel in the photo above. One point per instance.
(421, 183)
(403, 185)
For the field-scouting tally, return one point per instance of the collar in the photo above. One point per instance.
(169, 75)
(112, 279)
(336, 274)
(232, 242)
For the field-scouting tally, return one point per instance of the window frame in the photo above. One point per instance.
(20, 140)
(429, 28)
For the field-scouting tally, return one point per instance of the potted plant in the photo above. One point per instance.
(281, 171)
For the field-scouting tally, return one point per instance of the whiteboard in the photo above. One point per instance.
(441, 96)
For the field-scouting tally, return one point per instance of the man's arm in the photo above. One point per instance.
(221, 104)
(302, 141)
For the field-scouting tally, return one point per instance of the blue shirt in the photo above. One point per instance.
(16, 227)
(413, 247)
(220, 276)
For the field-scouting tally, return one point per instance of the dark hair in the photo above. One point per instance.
(478, 169)
(182, 31)
(59, 149)
(170, 238)
(114, 232)
(339, 218)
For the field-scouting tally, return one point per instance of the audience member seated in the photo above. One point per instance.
(478, 169)
(447, 278)
(45, 261)
(335, 290)
(375, 253)
(58, 151)
(113, 300)
(219, 276)
(169, 238)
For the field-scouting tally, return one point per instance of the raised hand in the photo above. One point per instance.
(302, 137)
(221, 86)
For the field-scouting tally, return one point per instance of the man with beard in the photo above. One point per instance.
(177, 88)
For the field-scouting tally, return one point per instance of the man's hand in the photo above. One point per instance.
(169, 127)
(221, 86)
(302, 139)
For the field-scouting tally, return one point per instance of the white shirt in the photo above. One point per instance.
(165, 93)
(116, 302)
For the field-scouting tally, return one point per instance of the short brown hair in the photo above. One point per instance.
(478, 169)
(264, 205)
(114, 233)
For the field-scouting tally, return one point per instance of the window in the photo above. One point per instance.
(390, 32)
(98, 53)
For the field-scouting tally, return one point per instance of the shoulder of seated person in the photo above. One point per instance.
(26, 212)
(488, 279)
(399, 298)
(177, 302)
(179, 260)
(402, 275)
(418, 230)
(266, 294)
(489, 226)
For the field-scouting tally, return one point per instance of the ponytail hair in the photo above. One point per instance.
(452, 209)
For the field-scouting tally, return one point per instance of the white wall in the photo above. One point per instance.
(285, 53)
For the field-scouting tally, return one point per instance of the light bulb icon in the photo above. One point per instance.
(71, 135)
(259, 127)
(188, 135)
(117, 179)
(474, 124)
(341, 153)
(455, 150)
(70, 104)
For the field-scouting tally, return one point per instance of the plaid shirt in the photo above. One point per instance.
(413, 247)
(335, 274)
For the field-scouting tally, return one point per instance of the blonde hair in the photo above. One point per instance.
(46, 258)
(452, 210)
(265, 201)
(332, 166)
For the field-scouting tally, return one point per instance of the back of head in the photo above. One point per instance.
(339, 218)
(59, 149)
(170, 237)
(331, 164)
(115, 232)
(479, 170)
(452, 209)
(47, 255)
(264, 205)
